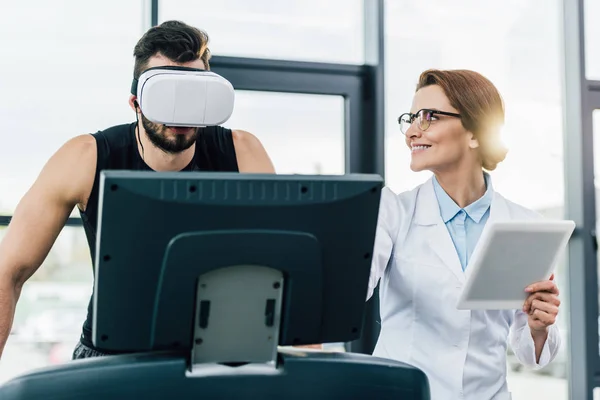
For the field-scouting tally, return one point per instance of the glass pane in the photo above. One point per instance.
(519, 50)
(67, 74)
(596, 136)
(305, 30)
(51, 308)
(303, 134)
(592, 39)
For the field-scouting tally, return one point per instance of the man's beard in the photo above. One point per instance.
(158, 136)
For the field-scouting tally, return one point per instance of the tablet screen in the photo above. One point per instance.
(512, 257)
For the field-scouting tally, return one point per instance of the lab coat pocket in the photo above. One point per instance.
(436, 281)
(425, 277)
(415, 276)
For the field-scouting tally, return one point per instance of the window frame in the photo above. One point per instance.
(582, 97)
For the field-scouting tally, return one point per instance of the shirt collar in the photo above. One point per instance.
(475, 210)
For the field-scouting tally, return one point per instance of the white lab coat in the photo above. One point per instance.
(463, 353)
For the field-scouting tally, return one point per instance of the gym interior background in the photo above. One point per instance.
(321, 83)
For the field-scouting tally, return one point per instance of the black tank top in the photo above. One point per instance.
(118, 150)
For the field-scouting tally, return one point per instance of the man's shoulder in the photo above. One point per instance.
(80, 147)
(250, 152)
(244, 140)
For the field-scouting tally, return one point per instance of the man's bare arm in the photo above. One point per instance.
(251, 154)
(41, 214)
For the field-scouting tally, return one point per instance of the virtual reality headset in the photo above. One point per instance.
(180, 96)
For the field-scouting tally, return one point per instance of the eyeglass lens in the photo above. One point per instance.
(423, 119)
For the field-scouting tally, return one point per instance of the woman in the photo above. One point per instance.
(425, 238)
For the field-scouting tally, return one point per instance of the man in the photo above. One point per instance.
(71, 177)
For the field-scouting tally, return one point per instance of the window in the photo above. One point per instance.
(303, 30)
(592, 39)
(52, 307)
(521, 59)
(519, 49)
(596, 131)
(303, 133)
(68, 74)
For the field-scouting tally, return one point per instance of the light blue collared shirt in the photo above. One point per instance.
(464, 224)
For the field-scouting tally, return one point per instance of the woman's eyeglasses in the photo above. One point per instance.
(423, 118)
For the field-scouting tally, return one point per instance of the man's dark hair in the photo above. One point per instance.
(175, 40)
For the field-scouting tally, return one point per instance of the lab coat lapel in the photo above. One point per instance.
(427, 214)
(499, 211)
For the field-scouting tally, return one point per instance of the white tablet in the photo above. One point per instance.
(509, 257)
